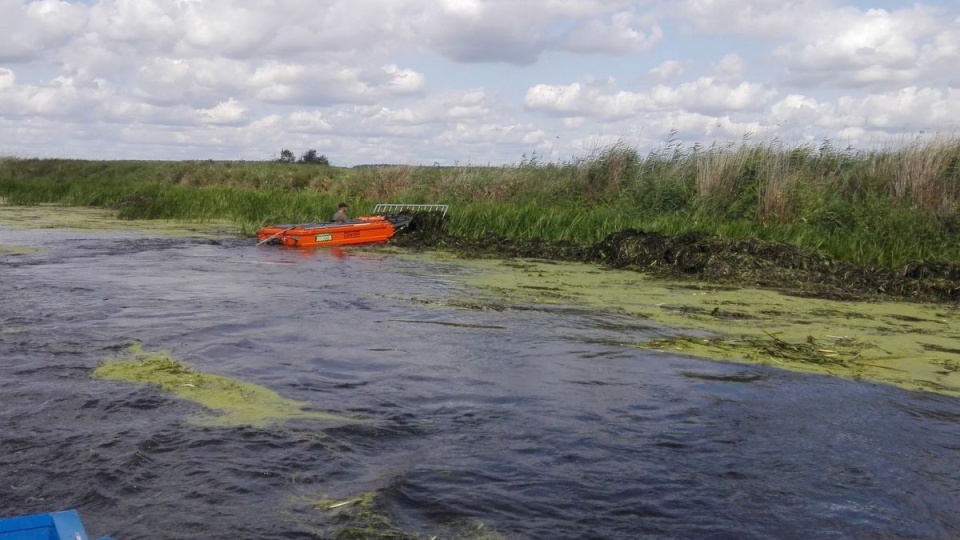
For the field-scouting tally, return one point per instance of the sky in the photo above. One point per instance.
(469, 82)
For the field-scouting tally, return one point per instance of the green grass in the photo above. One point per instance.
(883, 207)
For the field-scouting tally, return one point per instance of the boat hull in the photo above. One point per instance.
(364, 230)
(64, 525)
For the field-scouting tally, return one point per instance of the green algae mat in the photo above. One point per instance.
(365, 516)
(909, 344)
(228, 402)
(912, 345)
(47, 216)
(17, 250)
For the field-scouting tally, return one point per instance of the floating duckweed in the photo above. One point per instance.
(909, 344)
(234, 402)
(360, 518)
(840, 351)
(48, 216)
(18, 250)
(363, 517)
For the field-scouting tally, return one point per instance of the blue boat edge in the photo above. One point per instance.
(63, 525)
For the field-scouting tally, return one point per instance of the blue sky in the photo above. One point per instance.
(468, 81)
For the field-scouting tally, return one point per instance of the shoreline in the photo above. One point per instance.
(736, 301)
(689, 258)
(702, 257)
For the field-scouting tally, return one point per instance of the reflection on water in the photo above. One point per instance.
(531, 422)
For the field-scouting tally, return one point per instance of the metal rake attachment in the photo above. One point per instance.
(384, 208)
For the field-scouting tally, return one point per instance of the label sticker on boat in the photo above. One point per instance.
(325, 237)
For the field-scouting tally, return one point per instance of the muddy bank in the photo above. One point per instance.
(706, 257)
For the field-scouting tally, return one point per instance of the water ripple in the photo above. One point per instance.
(536, 423)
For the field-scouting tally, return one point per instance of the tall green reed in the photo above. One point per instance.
(884, 206)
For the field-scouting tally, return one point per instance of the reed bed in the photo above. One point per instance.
(882, 207)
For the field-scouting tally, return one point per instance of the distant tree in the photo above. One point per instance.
(286, 156)
(311, 156)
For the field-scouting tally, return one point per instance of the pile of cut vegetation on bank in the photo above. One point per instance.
(769, 264)
(719, 260)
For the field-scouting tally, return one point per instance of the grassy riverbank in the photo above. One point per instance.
(869, 207)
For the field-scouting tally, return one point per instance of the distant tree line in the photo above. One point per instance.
(310, 156)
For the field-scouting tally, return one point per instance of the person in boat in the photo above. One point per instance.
(341, 215)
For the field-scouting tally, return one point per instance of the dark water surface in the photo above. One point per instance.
(531, 425)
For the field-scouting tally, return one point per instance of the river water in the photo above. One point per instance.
(518, 423)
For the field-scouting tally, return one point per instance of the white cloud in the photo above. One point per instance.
(228, 29)
(225, 112)
(571, 100)
(710, 95)
(467, 9)
(29, 31)
(941, 54)
(424, 119)
(875, 47)
(765, 18)
(197, 81)
(667, 71)
(308, 121)
(326, 84)
(58, 98)
(459, 106)
(705, 95)
(730, 67)
(589, 98)
(824, 44)
(7, 78)
(204, 80)
(620, 35)
(462, 133)
(146, 23)
(404, 81)
(519, 32)
(798, 108)
(458, 80)
(894, 112)
(534, 137)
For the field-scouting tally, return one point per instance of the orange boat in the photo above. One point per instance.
(387, 220)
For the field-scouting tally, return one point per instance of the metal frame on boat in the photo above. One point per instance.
(390, 208)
